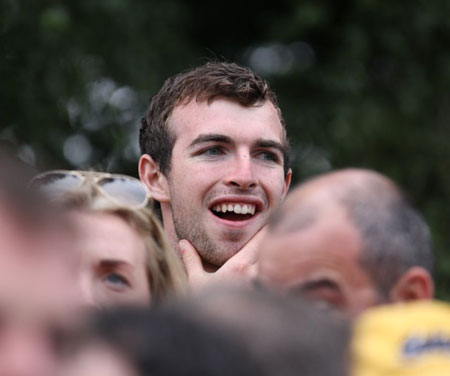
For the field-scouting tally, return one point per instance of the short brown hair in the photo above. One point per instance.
(204, 83)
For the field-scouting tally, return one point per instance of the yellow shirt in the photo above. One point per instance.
(403, 339)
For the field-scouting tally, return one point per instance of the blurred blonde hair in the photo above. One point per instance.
(165, 272)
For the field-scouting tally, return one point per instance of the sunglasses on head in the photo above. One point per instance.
(123, 190)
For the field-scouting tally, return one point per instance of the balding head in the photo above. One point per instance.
(330, 192)
(353, 226)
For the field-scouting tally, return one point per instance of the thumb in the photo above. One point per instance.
(249, 253)
(191, 258)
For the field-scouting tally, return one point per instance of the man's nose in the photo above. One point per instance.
(241, 173)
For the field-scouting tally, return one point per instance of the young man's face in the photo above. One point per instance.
(227, 174)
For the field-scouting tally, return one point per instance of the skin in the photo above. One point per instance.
(37, 298)
(239, 269)
(223, 153)
(321, 262)
(97, 359)
(112, 269)
(315, 249)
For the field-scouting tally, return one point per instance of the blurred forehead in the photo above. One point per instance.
(36, 267)
(330, 243)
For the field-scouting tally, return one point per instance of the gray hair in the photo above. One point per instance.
(395, 236)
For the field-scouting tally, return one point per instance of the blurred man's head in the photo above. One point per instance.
(36, 273)
(348, 239)
(156, 342)
(215, 156)
(220, 332)
(285, 336)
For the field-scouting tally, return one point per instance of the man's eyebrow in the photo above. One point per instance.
(211, 137)
(261, 143)
(316, 284)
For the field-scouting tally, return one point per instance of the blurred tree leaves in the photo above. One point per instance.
(361, 82)
(82, 72)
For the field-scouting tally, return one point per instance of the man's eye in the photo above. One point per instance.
(268, 156)
(325, 299)
(324, 305)
(216, 150)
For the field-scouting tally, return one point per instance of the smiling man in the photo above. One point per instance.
(215, 156)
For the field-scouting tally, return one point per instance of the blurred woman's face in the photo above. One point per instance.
(97, 359)
(113, 261)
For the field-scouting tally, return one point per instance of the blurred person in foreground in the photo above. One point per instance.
(286, 336)
(37, 276)
(140, 342)
(220, 332)
(125, 257)
(349, 240)
(215, 157)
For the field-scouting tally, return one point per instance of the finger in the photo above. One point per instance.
(252, 272)
(249, 253)
(191, 258)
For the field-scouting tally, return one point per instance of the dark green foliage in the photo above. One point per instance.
(361, 82)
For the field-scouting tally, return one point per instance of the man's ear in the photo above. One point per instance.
(287, 183)
(416, 283)
(153, 179)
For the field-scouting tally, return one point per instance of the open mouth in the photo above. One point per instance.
(234, 211)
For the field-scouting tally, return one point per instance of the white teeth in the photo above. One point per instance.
(236, 208)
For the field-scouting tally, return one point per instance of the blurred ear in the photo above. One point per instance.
(153, 179)
(416, 283)
(287, 183)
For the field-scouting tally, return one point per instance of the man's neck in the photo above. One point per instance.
(169, 228)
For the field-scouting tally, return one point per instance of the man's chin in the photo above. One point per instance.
(216, 258)
(220, 246)
(210, 268)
